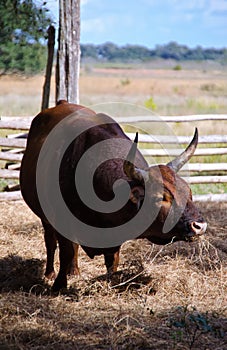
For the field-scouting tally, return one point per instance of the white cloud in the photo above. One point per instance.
(204, 7)
(214, 15)
(109, 23)
(191, 5)
(178, 5)
(218, 5)
(93, 24)
(84, 2)
(217, 8)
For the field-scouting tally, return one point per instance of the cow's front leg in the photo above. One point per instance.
(74, 268)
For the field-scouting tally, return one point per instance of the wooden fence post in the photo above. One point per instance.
(50, 57)
(68, 56)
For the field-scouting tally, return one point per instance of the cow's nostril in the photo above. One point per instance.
(198, 227)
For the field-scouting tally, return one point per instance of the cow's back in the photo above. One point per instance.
(40, 128)
(97, 127)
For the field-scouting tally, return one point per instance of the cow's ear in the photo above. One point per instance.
(137, 195)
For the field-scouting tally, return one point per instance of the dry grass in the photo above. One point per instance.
(171, 297)
(187, 91)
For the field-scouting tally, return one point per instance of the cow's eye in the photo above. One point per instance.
(159, 199)
(167, 197)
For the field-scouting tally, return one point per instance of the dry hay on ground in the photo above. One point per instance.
(171, 297)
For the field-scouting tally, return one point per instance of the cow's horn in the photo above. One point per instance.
(129, 169)
(177, 163)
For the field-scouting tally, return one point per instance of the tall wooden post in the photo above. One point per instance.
(68, 56)
(50, 57)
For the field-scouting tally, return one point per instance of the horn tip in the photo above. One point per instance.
(136, 138)
(196, 134)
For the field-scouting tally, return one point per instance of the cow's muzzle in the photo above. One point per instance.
(197, 229)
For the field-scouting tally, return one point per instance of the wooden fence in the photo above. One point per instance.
(12, 147)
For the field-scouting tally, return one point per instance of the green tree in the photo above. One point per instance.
(23, 26)
(113, 53)
(89, 51)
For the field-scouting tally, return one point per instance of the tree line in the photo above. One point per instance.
(114, 53)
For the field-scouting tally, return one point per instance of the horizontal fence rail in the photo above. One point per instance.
(13, 157)
(23, 123)
(171, 119)
(174, 152)
(13, 144)
(169, 139)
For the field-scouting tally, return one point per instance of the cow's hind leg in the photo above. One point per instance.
(112, 261)
(66, 255)
(51, 245)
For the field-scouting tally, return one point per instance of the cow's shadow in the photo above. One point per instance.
(27, 275)
(18, 274)
(123, 280)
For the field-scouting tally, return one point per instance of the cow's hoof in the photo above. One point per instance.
(74, 271)
(50, 275)
(59, 284)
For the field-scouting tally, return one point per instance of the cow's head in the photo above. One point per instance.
(178, 218)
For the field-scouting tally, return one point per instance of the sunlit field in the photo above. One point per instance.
(172, 92)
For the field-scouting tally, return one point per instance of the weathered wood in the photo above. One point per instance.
(173, 119)
(210, 197)
(50, 57)
(151, 118)
(9, 174)
(207, 179)
(20, 135)
(13, 157)
(14, 150)
(207, 167)
(17, 143)
(14, 174)
(143, 138)
(6, 118)
(16, 195)
(149, 152)
(15, 124)
(170, 139)
(12, 166)
(11, 188)
(10, 196)
(68, 56)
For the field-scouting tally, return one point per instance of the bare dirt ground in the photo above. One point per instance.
(172, 297)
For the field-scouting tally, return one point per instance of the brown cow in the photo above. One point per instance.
(159, 186)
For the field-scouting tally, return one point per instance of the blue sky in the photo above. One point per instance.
(153, 22)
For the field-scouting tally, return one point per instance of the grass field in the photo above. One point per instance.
(172, 297)
(188, 91)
